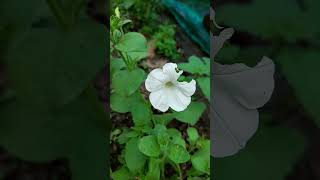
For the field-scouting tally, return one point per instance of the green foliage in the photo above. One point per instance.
(165, 42)
(195, 65)
(200, 70)
(53, 50)
(301, 69)
(277, 147)
(149, 145)
(134, 158)
(144, 13)
(192, 114)
(126, 86)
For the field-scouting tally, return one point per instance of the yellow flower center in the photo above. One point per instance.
(169, 84)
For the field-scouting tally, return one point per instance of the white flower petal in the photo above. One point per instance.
(159, 100)
(156, 80)
(187, 88)
(170, 69)
(177, 100)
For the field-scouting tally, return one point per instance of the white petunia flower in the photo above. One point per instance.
(167, 91)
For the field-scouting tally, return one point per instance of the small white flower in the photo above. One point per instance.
(166, 91)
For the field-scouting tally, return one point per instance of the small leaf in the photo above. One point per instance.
(132, 42)
(153, 169)
(178, 154)
(196, 66)
(192, 114)
(201, 159)
(176, 137)
(192, 135)
(204, 84)
(127, 82)
(149, 146)
(121, 174)
(135, 160)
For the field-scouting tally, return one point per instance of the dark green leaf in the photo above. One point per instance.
(149, 146)
(135, 160)
(178, 154)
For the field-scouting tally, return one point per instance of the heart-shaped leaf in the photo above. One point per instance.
(149, 146)
(126, 82)
(178, 154)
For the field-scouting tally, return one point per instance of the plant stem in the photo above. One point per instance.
(180, 173)
(162, 167)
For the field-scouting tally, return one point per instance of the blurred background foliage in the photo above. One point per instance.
(286, 144)
(50, 114)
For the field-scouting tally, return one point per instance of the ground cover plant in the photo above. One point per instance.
(156, 142)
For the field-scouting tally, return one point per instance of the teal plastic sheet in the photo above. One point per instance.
(189, 15)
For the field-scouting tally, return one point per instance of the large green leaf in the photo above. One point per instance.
(192, 114)
(134, 45)
(273, 149)
(135, 160)
(78, 131)
(149, 146)
(136, 104)
(127, 82)
(301, 70)
(50, 67)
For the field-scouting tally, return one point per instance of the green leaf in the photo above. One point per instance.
(78, 132)
(127, 82)
(201, 159)
(163, 118)
(141, 110)
(126, 135)
(176, 137)
(136, 104)
(119, 103)
(192, 135)
(178, 154)
(135, 160)
(276, 149)
(153, 169)
(116, 65)
(133, 44)
(196, 66)
(192, 114)
(61, 63)
(149, 146)
(301, 70)
(121, 174)
(204, 84)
